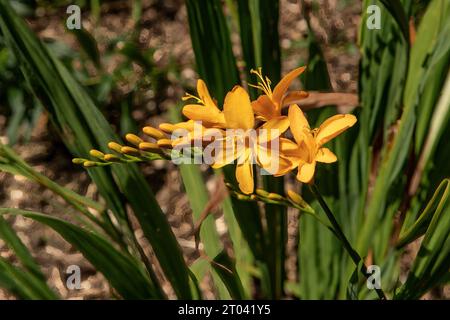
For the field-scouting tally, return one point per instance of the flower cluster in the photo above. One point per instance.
(259, 133)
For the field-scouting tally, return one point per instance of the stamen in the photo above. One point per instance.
(263, 84)
(188, 96)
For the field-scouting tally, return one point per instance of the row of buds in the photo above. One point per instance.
(138, 150)
(292, 199)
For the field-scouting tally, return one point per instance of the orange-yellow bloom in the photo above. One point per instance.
(269, 105)
(205, 110)
(247, 145)
(308, 148)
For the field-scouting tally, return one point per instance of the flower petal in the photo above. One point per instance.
(306, 172)
(224, 155)
(272, 129)
(265, 108)
(298, 123)
(283, 85)
(325, 155)
(334, 126)
(238, 109)
(209, 116)
(292, 152)
(294, 97)
(203, 94)
(244, 175)
(284, 166)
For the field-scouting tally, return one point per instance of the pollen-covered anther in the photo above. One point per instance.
(133, 139)
(97, 154)
(130, 151)
(165, 143)
(168, 127)
(115, 146)
(153, 132)
(149, 146)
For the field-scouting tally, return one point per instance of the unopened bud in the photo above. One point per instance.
(242, 197)
(97, 154)
(167, 127)
(149, 146)
(274, 196)
(165, 143)
(115, 146)
(262, 193)
(130, 151)
(133, 139)
(154, 133)
(295, 197)
(88, 164)
(188, 125)
(111, 158)
(78, 160)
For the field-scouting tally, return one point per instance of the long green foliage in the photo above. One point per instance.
(388, 189)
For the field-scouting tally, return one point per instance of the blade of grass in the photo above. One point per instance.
(121, 270)
(24, 285)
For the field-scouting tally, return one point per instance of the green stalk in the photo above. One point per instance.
(341, 236)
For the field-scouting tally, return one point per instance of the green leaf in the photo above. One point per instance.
(15, 100)
(422, 223)
(225, 268)
(353, 284)
(432, 263)
(83, 128)
(212, 47)
(24, 285)
(120, 270)
(88, 44)
(20, 250)
(397, 11)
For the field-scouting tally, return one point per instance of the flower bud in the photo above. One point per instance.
(165, 143)
(295, 197)
(97, 154)
(149, 146)
(115, 146)
(88, 164)
(133, 139)
(153, 132)
(130, 151)
(262, 193)
(78, 160)
(274, 196)
(167, 127)
(111, 158)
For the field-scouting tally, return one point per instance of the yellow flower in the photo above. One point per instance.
(246, 145)
(308, 146)
(269, 105)
(205, 110)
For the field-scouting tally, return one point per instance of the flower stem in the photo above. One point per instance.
(341, 236)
